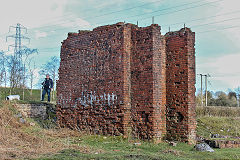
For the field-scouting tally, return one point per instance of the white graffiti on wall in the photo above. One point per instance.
(88, 98)
(65, 100)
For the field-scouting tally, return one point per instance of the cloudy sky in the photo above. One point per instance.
(216, 23)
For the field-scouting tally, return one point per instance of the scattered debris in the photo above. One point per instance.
(19, 115)
(32, 124)
(218, 136)
(137, 144)
(13, 97)
(215, 136)
(175, 152)
(203, 147)
(200, 139)
(21, 120)
(174, 144)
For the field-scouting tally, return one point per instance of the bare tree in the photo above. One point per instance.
(17, 68)
(25, 60)
(31, 70)
(2, 68)
(3, 73)
(237, 90)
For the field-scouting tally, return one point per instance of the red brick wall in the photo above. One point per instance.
(148, 83)
(180, 83)
(114, 80)
(91, 86)
(142, 82)
(159, 85)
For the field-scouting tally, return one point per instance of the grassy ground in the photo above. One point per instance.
(35, 96)
(117, 148)
(218, 120)
(225, 126)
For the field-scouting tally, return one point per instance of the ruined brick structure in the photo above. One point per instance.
(127, 80)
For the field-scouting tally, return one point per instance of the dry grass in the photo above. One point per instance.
(218, 111)
(15, 142)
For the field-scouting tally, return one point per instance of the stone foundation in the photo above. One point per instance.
(33, 110)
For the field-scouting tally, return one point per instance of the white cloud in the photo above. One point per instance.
(3, 44)
(75, 22)
(224, 71)
(230, 16)
(103, 4)
(39, 34)
(30, 13)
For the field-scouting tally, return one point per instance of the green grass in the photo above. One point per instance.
(4, 92)
(119, 148)
(218, 125)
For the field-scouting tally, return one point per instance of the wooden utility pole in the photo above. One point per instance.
(206, 75)
(201, 89)
(205, 90)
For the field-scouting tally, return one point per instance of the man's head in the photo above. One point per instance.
(47, 76)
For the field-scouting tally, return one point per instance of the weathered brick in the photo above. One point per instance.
(122, 79)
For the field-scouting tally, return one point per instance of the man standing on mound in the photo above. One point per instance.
(47, 86)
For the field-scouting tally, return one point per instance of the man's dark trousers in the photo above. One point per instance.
(44, 93)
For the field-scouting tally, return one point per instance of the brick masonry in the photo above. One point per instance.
(122, 79)
(223, 143)
(180, 83)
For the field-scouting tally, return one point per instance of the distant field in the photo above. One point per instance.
(218, 111)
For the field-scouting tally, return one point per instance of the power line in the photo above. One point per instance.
(196, 32)
(68, 15)
(109, 13)
(237, 26)
(185, 4)
(215, 22)
(126, 9)
(196, 6)
(228, 13)
(153, 12)
(87, 10)
(144, 13)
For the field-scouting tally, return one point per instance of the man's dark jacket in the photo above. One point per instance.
(47, 84)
